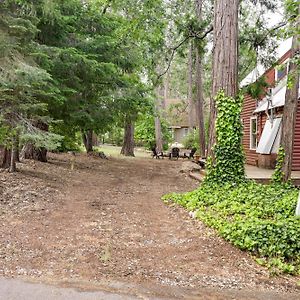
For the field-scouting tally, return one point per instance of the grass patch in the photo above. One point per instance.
(116, 150)
(253, 217)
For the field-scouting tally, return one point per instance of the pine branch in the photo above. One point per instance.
(174, 49)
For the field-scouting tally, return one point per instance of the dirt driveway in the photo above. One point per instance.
(104, 226)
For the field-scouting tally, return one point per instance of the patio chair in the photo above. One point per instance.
(174, 153)
(193, 151)
(156, 154)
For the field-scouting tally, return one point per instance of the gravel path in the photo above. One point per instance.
(104, 222)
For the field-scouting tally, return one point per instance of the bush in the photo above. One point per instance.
(253, 217)
(115, 136)
(145, 132)
(192, 140)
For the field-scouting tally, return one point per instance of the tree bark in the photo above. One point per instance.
(87, 138)
(5, 157)
(160, 98)
(18, 147)
(29, 150)
(191, 103)
(199, 88)
(128, 143)
(225, 57)
(158, 135)
(13, 157)
(290, 110)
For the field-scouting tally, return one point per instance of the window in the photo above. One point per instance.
(186, 131)
(281, 71)
(253, 133)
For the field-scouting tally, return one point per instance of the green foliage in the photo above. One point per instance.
(253, 217)
(48, 140)
(145, 131)
(115, 136)
(257, 89)
(278, 175)
(191, 140)
(228, 163)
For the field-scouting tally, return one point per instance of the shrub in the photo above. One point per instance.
(191, 140)
(253, 217)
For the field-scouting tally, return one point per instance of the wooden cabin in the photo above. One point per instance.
(262, 118)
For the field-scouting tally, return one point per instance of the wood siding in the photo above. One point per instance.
(296, 149)
(249, 106)
(247, 112)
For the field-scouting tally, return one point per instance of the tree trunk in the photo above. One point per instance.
(5, 157)
(166, 93)
(199, 103)
(199, 88)
(13, 157)
(128, 143)
(190, 89)
(29, 151)
(225, 57)
(18, 146)
(158, 135)
(290, 111)
(160, 98)
(87, 138)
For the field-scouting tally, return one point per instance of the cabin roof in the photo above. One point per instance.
(259, 70)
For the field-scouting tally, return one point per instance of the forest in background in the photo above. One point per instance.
(73, 70)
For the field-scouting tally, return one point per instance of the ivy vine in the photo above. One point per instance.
(278, 175)
(229, 158)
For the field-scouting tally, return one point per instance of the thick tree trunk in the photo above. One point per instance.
(5, 157)
(290, 111)
(191, 104)
(199, 88)
(128, 143)
(199, 104)
(225, 57)
(29, 151)
(87, 138)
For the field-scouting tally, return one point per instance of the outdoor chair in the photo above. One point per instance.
(202, 163)
(174, 153)
(193, 151)
(156, 154)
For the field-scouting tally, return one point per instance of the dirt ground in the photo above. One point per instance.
(103, 226)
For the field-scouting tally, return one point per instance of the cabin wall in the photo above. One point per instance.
(247, 112)
(249, 105)
(296, 148)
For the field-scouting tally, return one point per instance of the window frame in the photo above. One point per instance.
(286, 70)
(251, 133)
